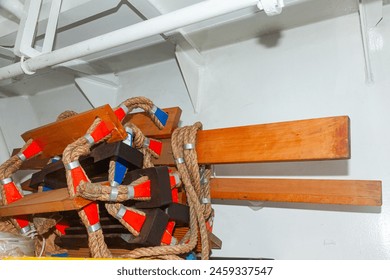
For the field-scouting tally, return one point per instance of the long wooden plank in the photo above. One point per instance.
(54, 137)
(51, 201)
(313, 139)
(343, 192)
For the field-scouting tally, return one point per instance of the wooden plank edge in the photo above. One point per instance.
(290, 138)
(44, 202)
(300, 140)
(316, 191)
(55, 136)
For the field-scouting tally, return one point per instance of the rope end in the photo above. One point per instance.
(160, 115)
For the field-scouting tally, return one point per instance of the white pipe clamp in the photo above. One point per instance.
(271, 7)
(24, 67)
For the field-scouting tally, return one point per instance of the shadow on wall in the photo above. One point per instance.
(312, 168)
(271, 40)
(259, 24)
(258, 205)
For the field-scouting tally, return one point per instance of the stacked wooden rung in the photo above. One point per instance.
(303, 140)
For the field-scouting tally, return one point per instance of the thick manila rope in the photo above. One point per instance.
(72, 152)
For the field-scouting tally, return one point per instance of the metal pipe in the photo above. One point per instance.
(157, 25)
(12, 6)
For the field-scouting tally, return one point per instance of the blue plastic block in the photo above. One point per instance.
(53, 159)
(120, 172)
(191, 256)
(46, 189)
(61, 255)
(162, 116)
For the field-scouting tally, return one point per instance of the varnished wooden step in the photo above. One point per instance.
(343, 192)
(54, 137)
(347, 192)
(51, 201)
(313, 139)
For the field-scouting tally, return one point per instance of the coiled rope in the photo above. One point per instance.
(81, 147)
(7, 169)
(71, 154)
(195, 180)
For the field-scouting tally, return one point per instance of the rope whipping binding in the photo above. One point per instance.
(38, 227)
(200, 213)
(184, 152)
(10, 192)
(196, 186)
(79, 184)
(197, 213)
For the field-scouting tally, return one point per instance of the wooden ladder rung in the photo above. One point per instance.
(44, 202)
(313, 139)
(343, 192)
(54, 137)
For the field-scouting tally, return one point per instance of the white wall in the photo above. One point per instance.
(311, 71)
(16, 117)
(49, 104)
(307, 72)
(23, 113)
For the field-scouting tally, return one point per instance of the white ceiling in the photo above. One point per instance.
(83, 19)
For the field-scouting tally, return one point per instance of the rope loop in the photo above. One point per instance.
(158, 116)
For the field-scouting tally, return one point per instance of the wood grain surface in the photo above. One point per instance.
(343, 192)
(313, 139)
(54, 137)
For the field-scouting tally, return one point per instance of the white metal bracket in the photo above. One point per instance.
(370, 14)
(271, 7)
(188, 57)
(98, 85)
(192, 67)
(98, 90)
(24, 44)
(7, 53)
(4, 149)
